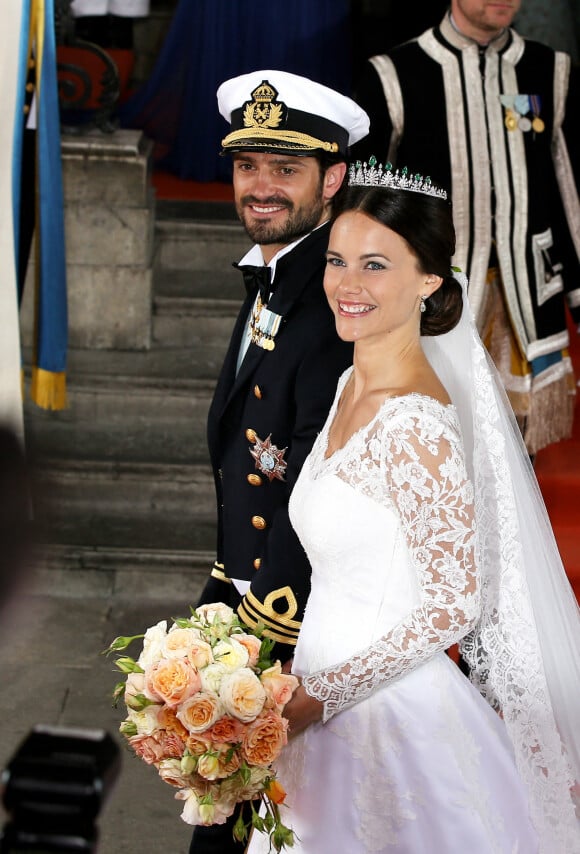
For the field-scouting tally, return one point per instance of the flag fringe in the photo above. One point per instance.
(48, 389)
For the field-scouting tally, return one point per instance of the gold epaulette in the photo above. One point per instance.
(217, 571)
(280, 626)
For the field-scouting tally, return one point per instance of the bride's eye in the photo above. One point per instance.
(375, 265)
(335, 262)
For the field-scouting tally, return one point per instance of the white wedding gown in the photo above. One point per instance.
(411, 758)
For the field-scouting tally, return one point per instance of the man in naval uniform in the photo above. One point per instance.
(289, 141)
(493, 116)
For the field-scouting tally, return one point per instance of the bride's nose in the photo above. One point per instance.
(349, 283)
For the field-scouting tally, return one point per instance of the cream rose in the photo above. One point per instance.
(153, 644)
(231, 654)
(279, 686)
(211, 677)
(170, 771)
(200, 712)
(224, 613)
(173, 681)
(264, 739)
(242, 694)
(146, 720)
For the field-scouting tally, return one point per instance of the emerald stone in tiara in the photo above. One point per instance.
(374, 174)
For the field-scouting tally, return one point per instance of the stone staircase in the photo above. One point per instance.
(125, 494)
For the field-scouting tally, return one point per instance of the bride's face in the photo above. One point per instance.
(372, 281)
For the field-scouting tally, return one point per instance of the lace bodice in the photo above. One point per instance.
(409, 460)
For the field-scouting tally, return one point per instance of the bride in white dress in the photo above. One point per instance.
(393, 749)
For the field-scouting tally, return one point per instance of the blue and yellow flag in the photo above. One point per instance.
(37, 75)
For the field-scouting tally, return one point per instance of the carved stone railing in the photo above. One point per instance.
(88, 78)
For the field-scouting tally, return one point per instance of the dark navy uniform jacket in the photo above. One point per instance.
(283, 394)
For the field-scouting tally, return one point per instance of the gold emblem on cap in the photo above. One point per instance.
(263, 110)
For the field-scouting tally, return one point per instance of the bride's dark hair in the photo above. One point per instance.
(425, 223)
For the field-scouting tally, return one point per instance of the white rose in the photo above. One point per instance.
(224, 613)
(231, 654)
(146, 720)
(153, 644)
(211, 677)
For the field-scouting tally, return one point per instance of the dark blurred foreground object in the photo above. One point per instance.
(16, 538)
(54, 788)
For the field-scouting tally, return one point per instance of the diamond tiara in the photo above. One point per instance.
(373, 174)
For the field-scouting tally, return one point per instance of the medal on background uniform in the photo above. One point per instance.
(264, 326)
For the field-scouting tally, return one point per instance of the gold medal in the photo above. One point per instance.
(538, 125)
(511, 122)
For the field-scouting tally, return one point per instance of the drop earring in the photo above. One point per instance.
(422, 307)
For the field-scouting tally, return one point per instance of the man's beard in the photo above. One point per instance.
(300, 221)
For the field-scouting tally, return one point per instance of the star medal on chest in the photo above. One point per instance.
(264, 326)
(269, 459)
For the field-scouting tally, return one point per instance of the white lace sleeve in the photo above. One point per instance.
(422, 464)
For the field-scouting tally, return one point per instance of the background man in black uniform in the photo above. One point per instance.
(289, 140)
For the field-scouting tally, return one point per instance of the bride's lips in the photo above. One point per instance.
(354, 309)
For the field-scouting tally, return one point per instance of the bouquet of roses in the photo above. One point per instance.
(204, 706)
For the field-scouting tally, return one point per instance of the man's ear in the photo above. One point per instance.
(333, 178)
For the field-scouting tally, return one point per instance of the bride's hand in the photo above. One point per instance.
(301, 711)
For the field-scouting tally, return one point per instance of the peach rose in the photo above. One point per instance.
(168, 720)
(186, 643)
(200, 712)
(264, 739)
(196, 745)
(252, 644)
(226, 730)
(279, 686)
(173, 681)
(242, 694)
(171, 744)
(147, 748)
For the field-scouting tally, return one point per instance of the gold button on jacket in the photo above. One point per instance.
(254, 480)
(259, 522)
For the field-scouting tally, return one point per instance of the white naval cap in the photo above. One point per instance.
(276, 111)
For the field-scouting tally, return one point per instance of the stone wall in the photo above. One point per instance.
(109, 232)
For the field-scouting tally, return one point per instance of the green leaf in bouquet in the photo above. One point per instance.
(188, 763)
(128, 665)
(128, 728)
(245, 773)
(118, 692)
(122, 642)
(282, 837)
(240, 829)
(138, 702)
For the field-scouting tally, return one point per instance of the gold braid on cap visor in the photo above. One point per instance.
(292, 138)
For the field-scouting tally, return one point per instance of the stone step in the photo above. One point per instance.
(194, 245)
(87, 571)
(226, 284)
(101, 503)
(181, 321)
(121, 418)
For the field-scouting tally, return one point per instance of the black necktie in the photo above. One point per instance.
(260, 277)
